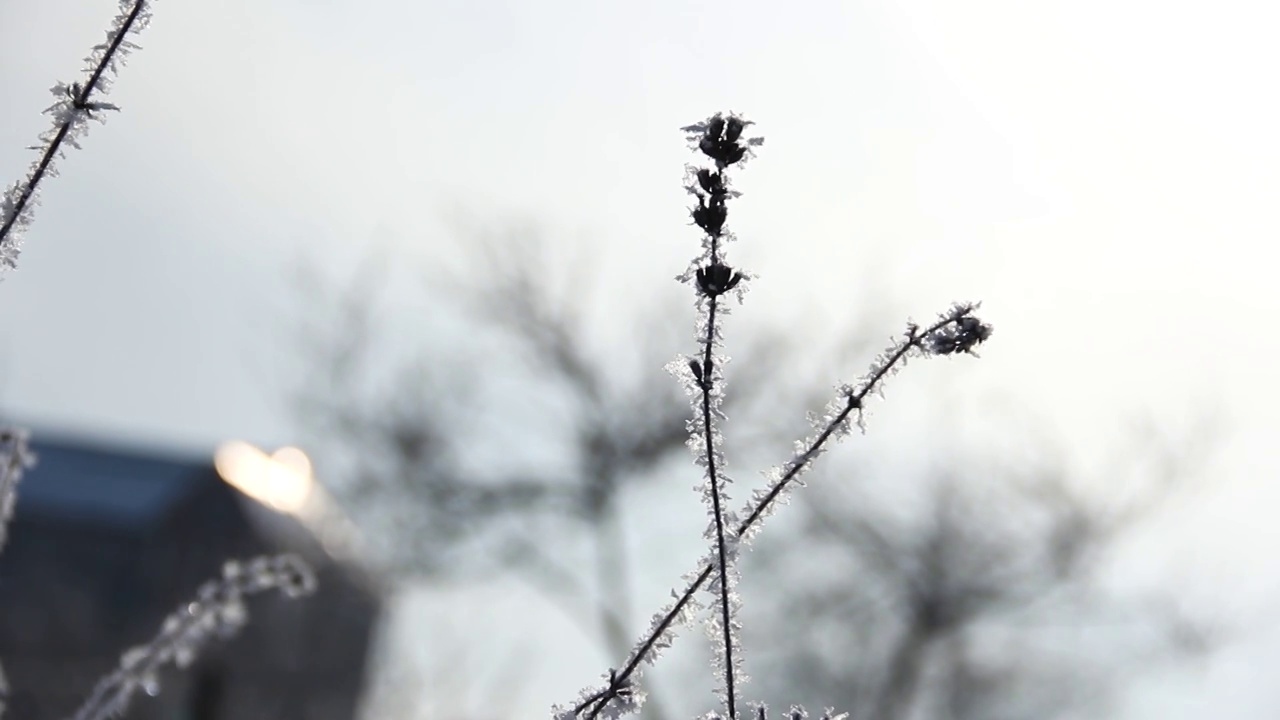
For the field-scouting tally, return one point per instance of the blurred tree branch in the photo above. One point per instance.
(400, 435)
(897, 631)
(910, 601)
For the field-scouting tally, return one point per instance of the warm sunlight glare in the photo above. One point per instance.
(281, 481)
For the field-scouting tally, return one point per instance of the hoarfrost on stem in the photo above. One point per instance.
(217, 611)
(702, 377)
(73, 108)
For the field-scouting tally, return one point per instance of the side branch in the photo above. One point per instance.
(955, 332)
(218, 610)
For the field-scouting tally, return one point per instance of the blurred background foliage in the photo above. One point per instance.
(940, 577)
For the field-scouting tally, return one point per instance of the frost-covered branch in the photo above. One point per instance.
(218, 610)
(15, 458)
(720, 139)
(71, 112)
(956, 331)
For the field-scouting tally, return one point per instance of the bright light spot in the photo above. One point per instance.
(293, 458)
(281, 481)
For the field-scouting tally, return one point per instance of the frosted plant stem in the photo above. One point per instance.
(720, 139)
(721, 551)
(75, 105)
(15, 458)
(218, 610)
(956, 331)
(853, 399)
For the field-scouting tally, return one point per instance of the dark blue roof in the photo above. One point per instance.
(88, 484)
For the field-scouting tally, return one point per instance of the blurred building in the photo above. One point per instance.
(107, 542)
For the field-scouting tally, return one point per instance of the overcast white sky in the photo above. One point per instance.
(1103, 174)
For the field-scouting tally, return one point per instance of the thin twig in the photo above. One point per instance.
(15, 211)
(954, 332)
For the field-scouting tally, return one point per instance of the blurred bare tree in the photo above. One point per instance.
(895, 624)
(988, 600)
(618, 417)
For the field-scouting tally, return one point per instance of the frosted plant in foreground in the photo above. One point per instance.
(955, 331)
(74, 106)
(219, 607)
(218, 611)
